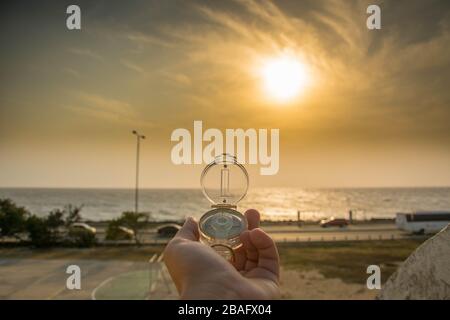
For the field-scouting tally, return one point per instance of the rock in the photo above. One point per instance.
(425, 274)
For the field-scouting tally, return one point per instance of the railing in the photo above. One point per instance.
(334, 238)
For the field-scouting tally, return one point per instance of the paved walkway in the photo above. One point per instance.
(46, 279)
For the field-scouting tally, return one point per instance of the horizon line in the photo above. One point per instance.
(196, 188)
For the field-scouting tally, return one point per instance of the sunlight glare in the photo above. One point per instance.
(284, 77)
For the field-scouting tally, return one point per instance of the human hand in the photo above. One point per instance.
(201, 273)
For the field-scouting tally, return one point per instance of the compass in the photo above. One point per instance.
(224, 183)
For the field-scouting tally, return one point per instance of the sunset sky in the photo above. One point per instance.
(372, 111)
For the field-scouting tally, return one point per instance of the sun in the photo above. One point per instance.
(284, 77)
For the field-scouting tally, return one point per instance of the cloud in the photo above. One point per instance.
(86, 53)
(72, 72)
(178, 78)
(140, 38)
(106, 109)
(393, 77)
(132, 66)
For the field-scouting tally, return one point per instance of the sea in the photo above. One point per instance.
(273, 203)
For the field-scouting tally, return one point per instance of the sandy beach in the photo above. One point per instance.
(312, 285)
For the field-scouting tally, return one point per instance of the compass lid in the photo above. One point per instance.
(224, 181)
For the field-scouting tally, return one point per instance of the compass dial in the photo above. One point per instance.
(223, 224)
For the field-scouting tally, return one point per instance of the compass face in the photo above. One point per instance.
(222, 224)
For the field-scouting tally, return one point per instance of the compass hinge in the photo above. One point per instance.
(224, 205)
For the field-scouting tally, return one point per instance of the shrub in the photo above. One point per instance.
(12, 219)
(51, 230)
(73, 214)
(39, 232)
(82, 238)
(131, 220)
(113, 232)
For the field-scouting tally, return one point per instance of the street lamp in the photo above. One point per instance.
(136, 192)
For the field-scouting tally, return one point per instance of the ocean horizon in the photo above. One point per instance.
(273, 203)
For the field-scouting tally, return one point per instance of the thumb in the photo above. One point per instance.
(189, 230)
(268, 257)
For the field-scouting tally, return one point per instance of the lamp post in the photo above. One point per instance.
(136, 192)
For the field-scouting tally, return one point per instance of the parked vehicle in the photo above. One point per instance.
(81, 234)
(333, 222)
(423, 222)
(125, 233)
(81, 227)
(168, 230)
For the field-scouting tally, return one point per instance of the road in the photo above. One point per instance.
(293, 233)
(340, 235)
(290, 233)
(350, 233)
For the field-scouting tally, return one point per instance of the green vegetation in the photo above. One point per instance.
(51, 230)
(130, 220)
(56, 228)
(41, 233)
(78, 237)
(114, 231)
(12, 219)
(82, 238)
(348, 260)
(16, 222)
